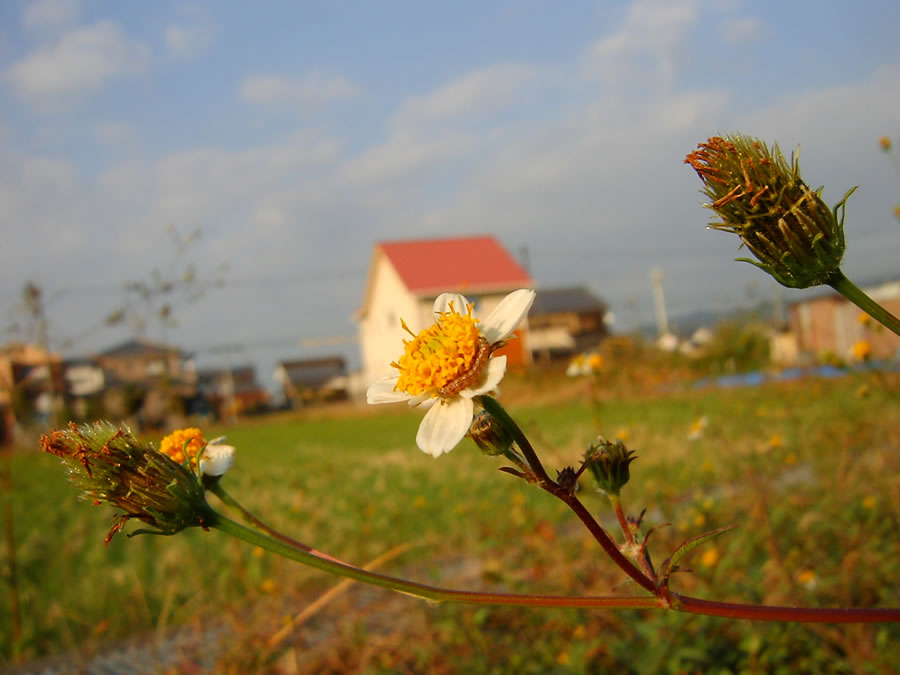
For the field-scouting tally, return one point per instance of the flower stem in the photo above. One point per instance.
(788, 614)
(499, 413)
(682, 603)
(431, 593)
(623, 522)
(839, 282)
(546, 483)
(216, 488)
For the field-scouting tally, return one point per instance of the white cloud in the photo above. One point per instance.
(606, 190)
(184, 41)
(404, 154)
(204, 185)
(647, 44)
(82, 60)
(50, 14)
(489, 88)
(313, 90)
(741, 30)
(117, 135)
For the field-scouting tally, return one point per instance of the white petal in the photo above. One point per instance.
(442, 303)
(445, 425)
(494, 373)
(382, 391)
(507, 315)
(216, 459)
(419, 400)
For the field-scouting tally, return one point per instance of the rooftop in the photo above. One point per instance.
(466, 264)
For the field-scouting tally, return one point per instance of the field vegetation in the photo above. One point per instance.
(808, 469)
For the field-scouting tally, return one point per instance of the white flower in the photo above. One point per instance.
(697, 428)
(448, 364)
(216, 458)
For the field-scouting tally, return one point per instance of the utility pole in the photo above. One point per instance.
(231, 414)
(659, 301)
(33, 301)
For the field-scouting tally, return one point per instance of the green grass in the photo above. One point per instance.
(818, 508)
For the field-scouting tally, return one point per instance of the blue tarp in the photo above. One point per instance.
(756, 379)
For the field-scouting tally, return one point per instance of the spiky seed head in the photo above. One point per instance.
(108, 464)
(761, 197)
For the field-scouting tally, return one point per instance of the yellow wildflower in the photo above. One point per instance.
(861, 350)
(710, 557)
(175, 444)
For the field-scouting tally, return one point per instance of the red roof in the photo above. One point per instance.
(473, 264)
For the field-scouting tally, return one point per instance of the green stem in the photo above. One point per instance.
(498, 412)
(431, 593)
(216, 488)
(854, 294)
(681, 603)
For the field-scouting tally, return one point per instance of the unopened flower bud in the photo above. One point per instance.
(110, 465)
(760, 197)
(491, 437)
(608, 463)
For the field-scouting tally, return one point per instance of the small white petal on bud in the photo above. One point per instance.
(216, 459)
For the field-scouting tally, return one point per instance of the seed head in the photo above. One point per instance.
(760, 197)
(108, 464)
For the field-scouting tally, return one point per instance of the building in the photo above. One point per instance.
(31, 386)
(313, 380)
(141, 361)
(231, 391)
(566, 321)
(405, 277)
(830, 324)
(148, 381)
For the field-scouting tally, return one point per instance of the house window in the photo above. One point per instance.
(155, 368)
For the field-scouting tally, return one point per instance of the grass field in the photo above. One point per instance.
(809, 470)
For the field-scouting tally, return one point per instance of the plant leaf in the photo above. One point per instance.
(690, 545)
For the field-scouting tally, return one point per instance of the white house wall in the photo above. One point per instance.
(380, 332)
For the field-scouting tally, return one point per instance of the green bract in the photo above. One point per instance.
(760, 197)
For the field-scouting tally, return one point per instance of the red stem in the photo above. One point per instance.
(794, 614)
(544, 482)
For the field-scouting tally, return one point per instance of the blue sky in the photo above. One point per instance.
(297, 134)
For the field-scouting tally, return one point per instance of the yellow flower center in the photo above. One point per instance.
(174, 446)
(439, 355)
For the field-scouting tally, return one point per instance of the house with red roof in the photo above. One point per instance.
(406, 276)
